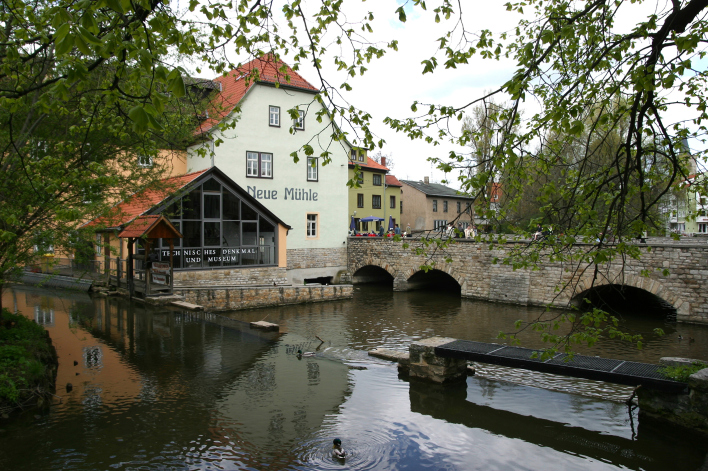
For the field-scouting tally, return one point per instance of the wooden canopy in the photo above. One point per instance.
(151, 227)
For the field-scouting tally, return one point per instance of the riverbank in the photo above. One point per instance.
(28, 364)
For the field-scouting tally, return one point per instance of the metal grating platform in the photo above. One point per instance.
(580, 366)
(581, 361)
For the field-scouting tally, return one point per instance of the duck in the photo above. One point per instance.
(337, 451)
(300, 354)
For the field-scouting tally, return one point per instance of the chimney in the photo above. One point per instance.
(426, 180)
(383, 160)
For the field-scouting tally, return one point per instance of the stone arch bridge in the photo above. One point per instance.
(473, 267)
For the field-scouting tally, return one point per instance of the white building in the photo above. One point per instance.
(256, 154)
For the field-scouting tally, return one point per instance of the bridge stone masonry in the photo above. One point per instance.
(473, 267)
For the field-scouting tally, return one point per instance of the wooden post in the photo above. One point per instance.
(147, 270)
(107, 257)
(119, 272)
(172, 270)
(130, 274)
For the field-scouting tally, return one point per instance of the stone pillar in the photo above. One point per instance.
(688, 409)
(425, 365)
(400, 283)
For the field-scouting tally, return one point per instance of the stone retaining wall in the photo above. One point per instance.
(231, 277)
(239, 297)
(316, 258)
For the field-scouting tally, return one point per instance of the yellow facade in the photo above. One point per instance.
(374, 197)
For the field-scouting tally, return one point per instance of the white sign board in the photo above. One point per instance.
(160, 267)
(159, 279)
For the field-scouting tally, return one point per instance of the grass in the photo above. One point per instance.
(24, 350)
(682, 372)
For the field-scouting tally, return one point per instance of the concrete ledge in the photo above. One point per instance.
(187, 306)
(392, 355)
(263, 325)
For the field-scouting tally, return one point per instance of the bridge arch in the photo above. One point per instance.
(372, 274)
(436, 278)
(630, 287)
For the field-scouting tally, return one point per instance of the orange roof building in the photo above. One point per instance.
(263, 112)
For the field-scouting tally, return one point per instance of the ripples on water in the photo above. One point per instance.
(170, 390)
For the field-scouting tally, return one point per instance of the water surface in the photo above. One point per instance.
(163, 389)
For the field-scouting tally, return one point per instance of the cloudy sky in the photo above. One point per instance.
(394, 82)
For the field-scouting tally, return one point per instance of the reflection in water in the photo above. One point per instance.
(156, 389)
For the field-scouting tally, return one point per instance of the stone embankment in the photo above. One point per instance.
(248, 297)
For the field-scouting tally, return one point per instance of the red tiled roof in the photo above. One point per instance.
(370, 164)
(139, 226)
(143, 225)
(391, 180)
(141, 202)
(235, 84)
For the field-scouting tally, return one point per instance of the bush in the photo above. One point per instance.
(682, 372)
(23, 346)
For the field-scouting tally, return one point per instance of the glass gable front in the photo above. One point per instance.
(220, 229)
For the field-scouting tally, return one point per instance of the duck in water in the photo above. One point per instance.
(337, 451)
(300, 354)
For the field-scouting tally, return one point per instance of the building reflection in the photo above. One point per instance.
(152, 377)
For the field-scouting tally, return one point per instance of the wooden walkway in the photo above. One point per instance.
(580, 366)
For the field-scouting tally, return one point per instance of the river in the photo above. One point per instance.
(165, 389)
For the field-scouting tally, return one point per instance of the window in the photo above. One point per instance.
(435, 206)
(439, 224)
(360, 200)
(357, 155)
(703, 228)
(312, 169)
(299, 122)
(444, 206)
(259, 165)
(459, 206)
(99, 247)
(400, 206)
(392, 201)
(312, 225)
(144, 160)
(376, 201)
(274, 116)
(219, 229)
(377, 180)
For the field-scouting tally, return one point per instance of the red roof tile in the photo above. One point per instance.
(143, 225)
(141, 202)
(391, 180)
(139, 226)
(370, 164)
(235, 84)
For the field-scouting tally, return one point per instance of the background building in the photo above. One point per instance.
(378, 195)
(431, 206)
